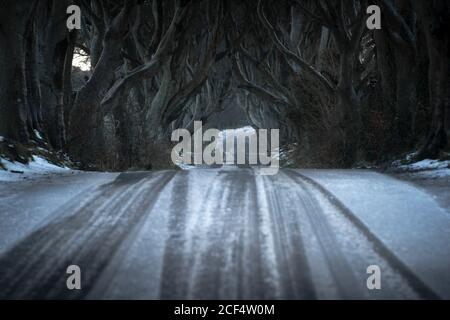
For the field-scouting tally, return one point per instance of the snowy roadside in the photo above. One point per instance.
(432, 176)
(38, 167)
(426, 168)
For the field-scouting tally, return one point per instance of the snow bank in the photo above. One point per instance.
(428, 168)
(37, 167)
(428, 164)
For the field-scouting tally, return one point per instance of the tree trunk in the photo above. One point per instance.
(86, 117)
(436, 23)
(15, 16)
(349, 108)
(406, 95)
(53, 48)
(386, 69)
(34, 120)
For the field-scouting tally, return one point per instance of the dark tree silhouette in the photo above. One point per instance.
(339, 92)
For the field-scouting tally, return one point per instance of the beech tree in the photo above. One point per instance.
(16, 119)
(435, 21)
(339, 92)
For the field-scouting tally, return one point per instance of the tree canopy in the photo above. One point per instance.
(340, 92)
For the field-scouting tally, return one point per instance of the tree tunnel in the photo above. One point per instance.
(339, 92)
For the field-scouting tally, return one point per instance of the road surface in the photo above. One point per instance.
(223, 233)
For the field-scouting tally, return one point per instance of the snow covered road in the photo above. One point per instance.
(223, 233)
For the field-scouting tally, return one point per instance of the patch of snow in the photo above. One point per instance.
(2, 138)
(38, 166)
(238, 132)
(429, 168)
(184, 166)
(37, 134)
(82, 62)
(411, 155)
(428, 164)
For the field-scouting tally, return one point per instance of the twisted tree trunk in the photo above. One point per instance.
(86, 141)
(436, 24)
(15, 17)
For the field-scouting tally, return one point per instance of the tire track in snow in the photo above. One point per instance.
(231, 234)
(208, 246)
(87, 238)
(203, 244)
(214, 249)
(345, 280)
(235, 245)
(294, 274)
(357, 243)
(189, 223)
